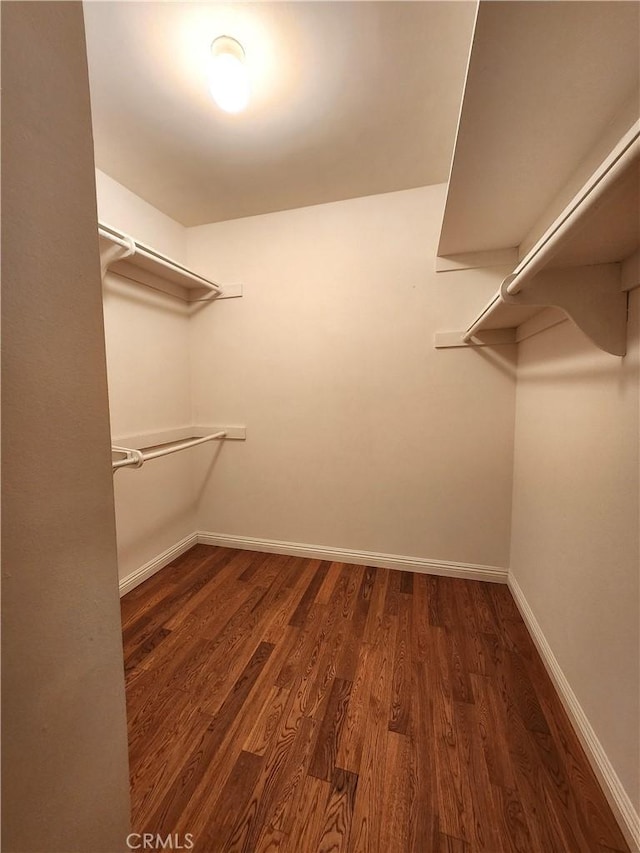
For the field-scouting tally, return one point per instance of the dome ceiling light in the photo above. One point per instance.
(228, 76)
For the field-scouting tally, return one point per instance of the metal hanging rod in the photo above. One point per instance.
(137, 458)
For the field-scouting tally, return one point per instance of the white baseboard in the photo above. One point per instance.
(361, 558)
(619, 801)
(136, 578)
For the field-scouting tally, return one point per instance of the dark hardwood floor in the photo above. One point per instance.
(278, 703)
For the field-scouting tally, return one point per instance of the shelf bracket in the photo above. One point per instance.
(115, 252)
(590, 296)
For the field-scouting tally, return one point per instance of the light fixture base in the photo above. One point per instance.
(229, 45)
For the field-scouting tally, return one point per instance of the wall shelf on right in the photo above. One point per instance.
(582, 266)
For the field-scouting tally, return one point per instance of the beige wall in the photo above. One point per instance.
(119, 207)
(148, 369)
(360, 434)
(575, 549)
(64, 751)
(147, 342)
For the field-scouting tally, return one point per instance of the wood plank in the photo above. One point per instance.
(401, 685)
(375, 623)
(267, 722)
(286, 601)
(449, 844)
(275, 788)
(351, 738)
(486, 618)
(512, 821)
(138, 654)
(234, 794)
(288, 793)
(306, 640)
(395, 825)
(323, 760)
(349, 654)
(367, 816)
(433, 588)
(484, 808)
(307, 823)
(156, 760)
(336, 831)
(301, 611)
(258, 560)
(393, 593)
(329, 583)
(455, 802)
(406, 583)
(455, 642)
(420, 636)
(351, 592)
(421, 774)
(492, 737)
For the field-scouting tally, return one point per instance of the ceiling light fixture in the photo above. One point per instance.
(228, 77)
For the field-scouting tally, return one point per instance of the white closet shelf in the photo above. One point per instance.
(146, 440)
(138, 262)
(582, 265)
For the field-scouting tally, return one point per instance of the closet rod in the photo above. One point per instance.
(135, 248)
(586, 200)
(138, 458)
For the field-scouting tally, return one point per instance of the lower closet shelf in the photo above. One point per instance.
(135, 451)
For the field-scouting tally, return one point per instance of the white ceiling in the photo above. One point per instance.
(348, 99)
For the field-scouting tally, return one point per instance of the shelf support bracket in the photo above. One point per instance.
(115, 252)
(591, 297)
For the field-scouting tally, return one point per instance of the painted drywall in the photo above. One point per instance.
(119, 207)
(65, 784)
(147, 344)
(575, 550)
(359, 433)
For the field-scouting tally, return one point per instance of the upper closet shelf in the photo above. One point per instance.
(583, 264)
(133, 260)
(545, 177)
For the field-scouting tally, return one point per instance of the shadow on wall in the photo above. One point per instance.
(208, 472)
(148, 297)
(156, 526)
(578, 361)
(151, 531)
(504, 359)
(587, 375)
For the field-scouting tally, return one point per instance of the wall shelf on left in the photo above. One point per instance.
(135, 450)
(133, 260)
